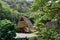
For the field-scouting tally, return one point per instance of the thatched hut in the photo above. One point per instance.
(25, 24)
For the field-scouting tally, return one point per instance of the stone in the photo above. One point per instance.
(20, 36)
(23, 35)
(51, 25)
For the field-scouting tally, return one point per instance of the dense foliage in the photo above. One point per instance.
(46, 11)
(7, 30)
(41, 12)
(7, 13)
(49, 34)
(19, 5)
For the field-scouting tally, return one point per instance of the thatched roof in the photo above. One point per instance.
(25, 23)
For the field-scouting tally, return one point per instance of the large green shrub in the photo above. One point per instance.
(7, 31)
(48, 34)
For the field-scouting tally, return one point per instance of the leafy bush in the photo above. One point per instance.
(48, 34)
(7, 31)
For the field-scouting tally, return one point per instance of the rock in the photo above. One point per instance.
(24, 35)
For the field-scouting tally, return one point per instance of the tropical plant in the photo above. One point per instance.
(48, 9)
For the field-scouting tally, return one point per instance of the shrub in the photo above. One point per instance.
(7, 31)
(48, 34)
